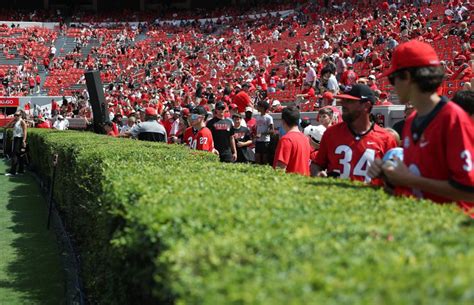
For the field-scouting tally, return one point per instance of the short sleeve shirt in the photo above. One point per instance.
(350, 155)
(443, 150)
(263, 123)
(200, 140)
(293, 149)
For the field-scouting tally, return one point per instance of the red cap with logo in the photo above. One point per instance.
(412, 54)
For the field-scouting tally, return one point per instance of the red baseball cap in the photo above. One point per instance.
(412, 54)
(185, 112)
(150, 111)
(328, 95)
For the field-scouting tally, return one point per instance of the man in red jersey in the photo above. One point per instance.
(293, 149)
(198, 136)
(437, 139)
(348, 148)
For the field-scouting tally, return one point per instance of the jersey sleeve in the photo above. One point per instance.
(390, 142)
(322, 158)
(283, 152)
(205, 141)
(460, 153)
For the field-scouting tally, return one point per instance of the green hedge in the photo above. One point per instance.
(158, 224)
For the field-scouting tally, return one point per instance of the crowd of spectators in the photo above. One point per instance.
(211, 86)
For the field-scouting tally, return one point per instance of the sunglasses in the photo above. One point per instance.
(220, 108)
(391, 77)
(194, 116)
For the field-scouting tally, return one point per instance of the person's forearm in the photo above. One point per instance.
(440, 188)
(232, 145)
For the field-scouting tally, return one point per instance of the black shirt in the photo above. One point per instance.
(242, 134)
(221, 130)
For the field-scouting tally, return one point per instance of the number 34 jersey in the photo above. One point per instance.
(344, 152)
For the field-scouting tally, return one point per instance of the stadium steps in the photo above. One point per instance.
(64, 45)
(87, 49)
(140, 37)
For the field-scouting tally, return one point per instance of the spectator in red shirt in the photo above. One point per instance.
(242, 99)
(43, 123)
(349, 77)
(293, 150)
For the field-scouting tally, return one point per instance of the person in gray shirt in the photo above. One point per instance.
(150, 129)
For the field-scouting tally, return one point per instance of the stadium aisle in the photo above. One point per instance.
(30, 265)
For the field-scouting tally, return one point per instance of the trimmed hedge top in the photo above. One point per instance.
(157, 223)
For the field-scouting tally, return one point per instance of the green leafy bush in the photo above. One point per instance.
(159, 224)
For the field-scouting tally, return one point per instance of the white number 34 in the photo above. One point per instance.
(466, 156)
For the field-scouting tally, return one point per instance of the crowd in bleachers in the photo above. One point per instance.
(308, 54)
(212, 85)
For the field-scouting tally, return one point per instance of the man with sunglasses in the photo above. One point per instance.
(223, 134)
(348, 148)
(437, 139)
(198, 136)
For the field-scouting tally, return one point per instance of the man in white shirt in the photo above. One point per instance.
(61, 123)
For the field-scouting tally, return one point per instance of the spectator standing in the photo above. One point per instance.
(293, 150)
(264, 129)
(437, 140)
(198, 136)
(348, 148)
(242, 138)
(150, 129)
(20, 132)
(250, 121)
(222, 134)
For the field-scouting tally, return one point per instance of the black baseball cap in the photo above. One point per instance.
(199, 110)
(220, 105)
(358, 92)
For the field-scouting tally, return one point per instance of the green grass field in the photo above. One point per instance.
(30, 265)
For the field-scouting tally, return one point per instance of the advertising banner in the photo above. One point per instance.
(9, 102)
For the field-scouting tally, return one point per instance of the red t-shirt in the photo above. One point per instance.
(444, 151)
(293, 149)
(45, 124)
(341, 151)
(201, 140)
(242, 100)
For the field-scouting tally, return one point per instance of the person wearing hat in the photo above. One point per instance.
(250, 121)
(233, 109)
(371, 82)
(43, 123)
(61, 123)
(327, 99)
(198, 136)
(276, 106)
(437, 139)
(149, 129)
(223, 134)
(347, 149)
(242, 98)
(293, 150)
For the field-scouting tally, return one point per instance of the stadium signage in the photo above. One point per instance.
(9, 102)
